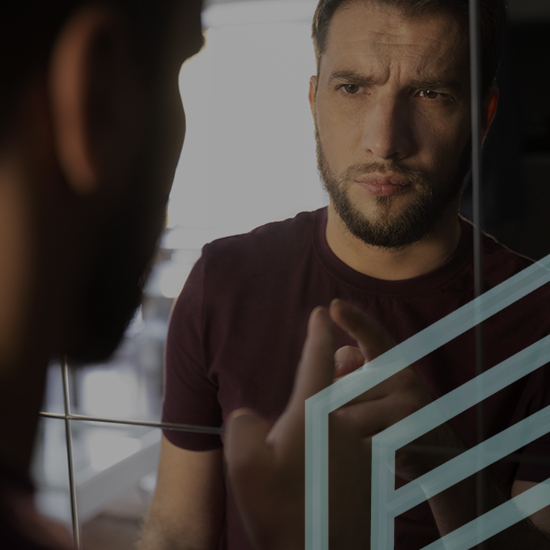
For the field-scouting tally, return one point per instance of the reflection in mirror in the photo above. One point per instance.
(249, 158)
(114, 473)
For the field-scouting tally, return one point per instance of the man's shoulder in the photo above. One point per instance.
(268, 241)
(498, 256)
(500, 263)
(270, 256)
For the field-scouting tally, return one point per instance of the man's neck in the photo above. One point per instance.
(411, 261)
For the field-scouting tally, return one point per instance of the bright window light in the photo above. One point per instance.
(265, 11)
(106, 449)
(249, 154)
(109, 392)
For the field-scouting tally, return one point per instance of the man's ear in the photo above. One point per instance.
(312, 90)
(489, 109)
(90, 92)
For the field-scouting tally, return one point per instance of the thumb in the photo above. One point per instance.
(314, 373)
(348, 359)
(372, 338)
(316, 368)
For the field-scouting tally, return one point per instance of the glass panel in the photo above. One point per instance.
(50, 471)
(53, 396)
(129, 385)
(114, 465)
(114, 475)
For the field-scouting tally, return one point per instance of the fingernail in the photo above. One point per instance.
(238, 412)
(319, 310)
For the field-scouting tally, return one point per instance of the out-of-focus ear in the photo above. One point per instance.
(90, 91)
(312, 89)
(489, 109)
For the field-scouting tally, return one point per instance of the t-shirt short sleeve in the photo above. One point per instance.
(190, 396)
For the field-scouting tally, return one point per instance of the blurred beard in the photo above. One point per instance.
(417, 220)
(118, 271)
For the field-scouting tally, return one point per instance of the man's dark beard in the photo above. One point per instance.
(418, 219)
(114, 286)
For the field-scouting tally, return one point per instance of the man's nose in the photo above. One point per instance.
(387, 130)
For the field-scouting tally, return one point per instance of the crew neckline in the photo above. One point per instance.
(416, 285)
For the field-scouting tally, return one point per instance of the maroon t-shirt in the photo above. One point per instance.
(238, 327)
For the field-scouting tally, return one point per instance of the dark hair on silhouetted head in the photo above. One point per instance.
(492, 15)
(28, 29)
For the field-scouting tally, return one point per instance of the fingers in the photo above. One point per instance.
(266, 467)
(316, 369)
(348, 359)
(314, 373)
(372, 338)
(370, 417)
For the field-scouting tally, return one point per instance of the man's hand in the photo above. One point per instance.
(266, 467)
(390, 401)
(399, 396)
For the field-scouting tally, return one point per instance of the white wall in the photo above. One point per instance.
(249, 154)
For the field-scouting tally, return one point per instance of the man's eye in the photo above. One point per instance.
(430, 94)
(351, 89)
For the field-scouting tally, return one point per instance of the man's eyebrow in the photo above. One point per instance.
(438, 84)
(347, 75)
(350, 76)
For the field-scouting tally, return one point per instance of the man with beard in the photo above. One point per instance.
(91, 125)
(91, 128)
(391, 106)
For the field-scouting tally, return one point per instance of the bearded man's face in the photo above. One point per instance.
(392, 117)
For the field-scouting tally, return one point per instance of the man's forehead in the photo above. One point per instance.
(367, 33)
(382, 25)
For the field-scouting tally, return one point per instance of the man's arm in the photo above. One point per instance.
(266, 466)
(188, 508)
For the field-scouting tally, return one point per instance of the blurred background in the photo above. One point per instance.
(248, 159)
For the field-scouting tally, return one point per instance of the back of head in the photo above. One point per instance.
(95, 187)
(28, 29)
(492, 18)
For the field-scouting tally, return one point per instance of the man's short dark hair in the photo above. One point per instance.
(28, 29)
(492, 18)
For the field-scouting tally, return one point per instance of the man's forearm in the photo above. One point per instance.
(155, 539)
(156, 535)
(151, 541)
(156, 543)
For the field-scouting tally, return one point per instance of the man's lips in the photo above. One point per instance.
(383, 185)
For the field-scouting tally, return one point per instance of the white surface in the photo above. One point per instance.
(108, 466)
(266, 11)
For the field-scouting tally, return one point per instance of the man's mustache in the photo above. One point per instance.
(416, 177)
